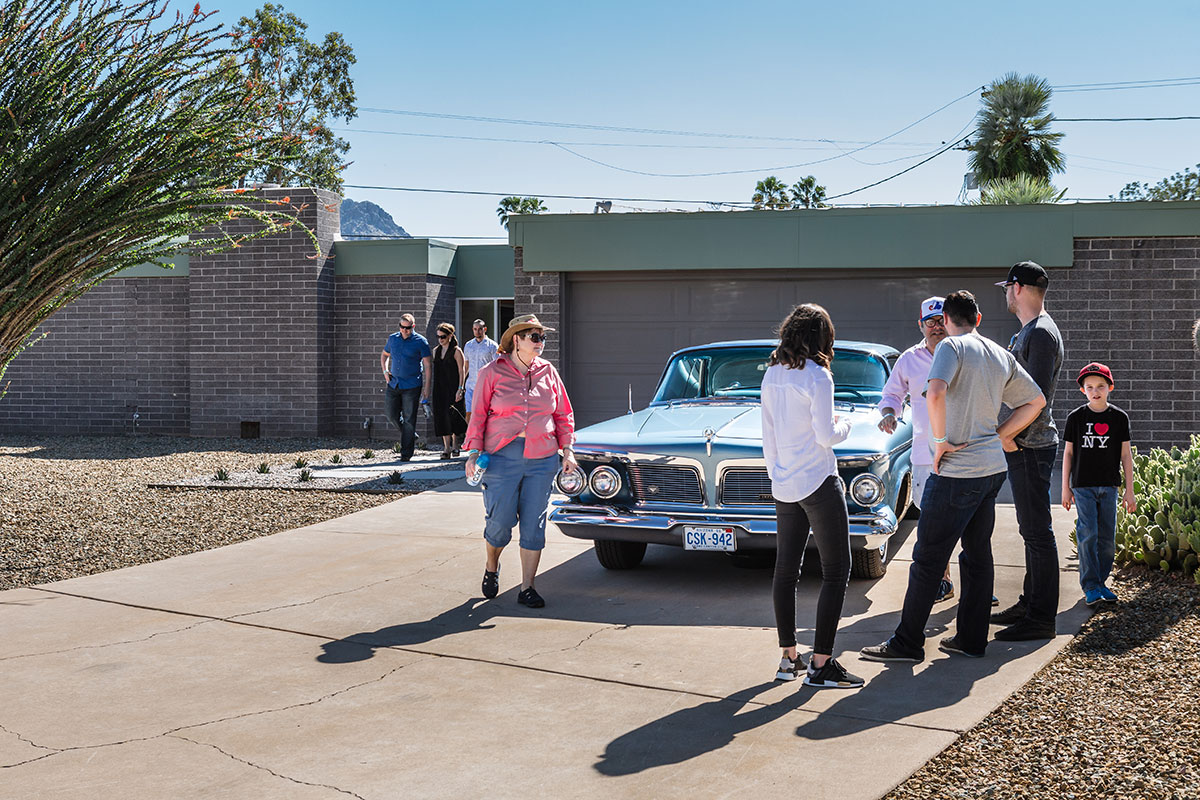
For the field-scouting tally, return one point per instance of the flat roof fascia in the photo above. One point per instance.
(484, 270)
(394, 257)
(837, 238)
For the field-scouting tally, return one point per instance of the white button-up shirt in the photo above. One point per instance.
(909, 377)
(798, 429)
(479, 355)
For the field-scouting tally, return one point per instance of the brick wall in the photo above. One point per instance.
(1131, 304)
(257, 315)
(543, 294)
(120, 349)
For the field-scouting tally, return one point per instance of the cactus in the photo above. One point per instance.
(337, 458)
(264, 468)
(396, 477)
(368, 454)
(221, 475)
(301, 463)
(306, 475)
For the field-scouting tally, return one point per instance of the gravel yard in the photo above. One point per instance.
(1116, 714)
(73, 506)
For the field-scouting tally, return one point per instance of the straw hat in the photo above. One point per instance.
(519, 325)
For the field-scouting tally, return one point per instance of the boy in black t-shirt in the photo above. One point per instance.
(1097, 448)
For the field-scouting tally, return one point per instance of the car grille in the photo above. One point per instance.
(655, 484)
(746, 486)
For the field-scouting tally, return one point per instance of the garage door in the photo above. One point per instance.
(622, 326)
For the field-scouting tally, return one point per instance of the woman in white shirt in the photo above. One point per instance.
(799, 432)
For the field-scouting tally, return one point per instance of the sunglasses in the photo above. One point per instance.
(406, 327)
(537, 338)
(939, 322)
(443, 336)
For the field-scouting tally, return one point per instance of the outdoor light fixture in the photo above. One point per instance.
(603, 207)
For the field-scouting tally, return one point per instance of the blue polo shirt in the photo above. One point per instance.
(406, 359)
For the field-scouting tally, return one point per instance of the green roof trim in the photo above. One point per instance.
(484, 270)
(179, 270)
(393, 257)
(928, 237)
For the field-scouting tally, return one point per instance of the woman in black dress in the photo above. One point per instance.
(449, 378)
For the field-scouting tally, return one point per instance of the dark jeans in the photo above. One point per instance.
(825, 510)
(952, 509)
(1029, 474)
(400, 405)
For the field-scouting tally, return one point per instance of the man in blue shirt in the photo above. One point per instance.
(405, 362)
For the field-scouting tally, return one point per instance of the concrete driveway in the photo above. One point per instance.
(358, 658)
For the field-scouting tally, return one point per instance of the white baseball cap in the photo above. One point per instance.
(932, 308)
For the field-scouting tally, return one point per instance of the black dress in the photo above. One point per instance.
(449, 415)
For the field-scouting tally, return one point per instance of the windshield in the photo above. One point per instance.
(737, 372)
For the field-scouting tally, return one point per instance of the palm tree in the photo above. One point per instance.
(1012, 131)
(511, 206)
(807, 194)
(1019, 190)
(771, 193)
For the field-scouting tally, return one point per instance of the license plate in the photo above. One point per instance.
(695, 538)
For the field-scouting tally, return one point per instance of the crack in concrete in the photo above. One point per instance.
(172, 731)
(267, 769)
(29, 742)
(575, 646)
(109, 644)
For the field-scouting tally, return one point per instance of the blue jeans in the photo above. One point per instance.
(516, 490)
(1096, 533)
(1029, 473)
(952, 509)
(400, 405)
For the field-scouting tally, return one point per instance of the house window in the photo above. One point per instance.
(495, 311)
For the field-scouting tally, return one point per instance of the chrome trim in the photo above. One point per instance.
(605, 470)
(865, 477)
(739, 464)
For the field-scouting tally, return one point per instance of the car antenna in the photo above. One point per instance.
(631, 398)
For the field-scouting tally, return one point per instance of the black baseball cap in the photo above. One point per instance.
(1027, 273)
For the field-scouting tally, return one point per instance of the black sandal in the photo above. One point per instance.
(491, 583)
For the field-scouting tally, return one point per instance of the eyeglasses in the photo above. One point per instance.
(1004, 286)
(537, 338)
(406, 327)
(934, 322)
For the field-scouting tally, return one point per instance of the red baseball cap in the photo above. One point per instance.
(1095, 368)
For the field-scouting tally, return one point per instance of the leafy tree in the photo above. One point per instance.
(1019, 190)
(771, 193)
(303, 85)
(807, 194)
(1012, 131)
(118, 130)
(512, 206)
(1180, 186)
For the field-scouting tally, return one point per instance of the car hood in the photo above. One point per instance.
(687, 422)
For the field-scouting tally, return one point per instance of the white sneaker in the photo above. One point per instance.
(789, 670)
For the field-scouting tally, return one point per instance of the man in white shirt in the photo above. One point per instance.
(480, 352)
(908, 380)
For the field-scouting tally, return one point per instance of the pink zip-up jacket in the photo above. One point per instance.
(507, 404)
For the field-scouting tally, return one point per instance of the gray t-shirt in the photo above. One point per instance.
(980, 375)
(1038, 348)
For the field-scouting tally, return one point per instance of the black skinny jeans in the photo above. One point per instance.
(825, 510)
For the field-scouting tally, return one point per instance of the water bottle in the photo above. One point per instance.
(481, 465)
(425, 409)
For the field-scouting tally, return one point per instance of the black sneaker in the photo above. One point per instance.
(945, 591)
(1027, 630)
(951, 645)
(884, 652)
(831, 676)
(491, 583)
(789, 670)
(1014, 613)
(530, 597)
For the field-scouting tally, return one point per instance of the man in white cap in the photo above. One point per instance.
(908, 379)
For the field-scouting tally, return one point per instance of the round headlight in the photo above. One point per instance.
(605, 482)
(866, 490)
(570, 483)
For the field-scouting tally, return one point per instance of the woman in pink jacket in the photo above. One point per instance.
(521, 416)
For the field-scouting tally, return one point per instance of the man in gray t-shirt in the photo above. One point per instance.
(969, 378)
(1038, 348)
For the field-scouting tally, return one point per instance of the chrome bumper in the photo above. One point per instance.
(867, 531)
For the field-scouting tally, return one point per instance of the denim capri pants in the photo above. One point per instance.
(516, 490)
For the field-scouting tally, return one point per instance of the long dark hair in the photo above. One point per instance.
(806, 333)
(452, 340)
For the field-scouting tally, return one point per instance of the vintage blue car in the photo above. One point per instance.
(688, 470)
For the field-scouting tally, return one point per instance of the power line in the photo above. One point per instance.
(1120, 119)
(732, 203)
(945, 149)
(410, 236)
(1124, 83)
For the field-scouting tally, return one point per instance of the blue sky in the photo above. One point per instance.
(851, 73)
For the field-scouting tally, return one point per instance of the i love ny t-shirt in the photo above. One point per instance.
(1097, 438)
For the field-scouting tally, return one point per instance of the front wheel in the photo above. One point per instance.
(870, 563)
(619, 555)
